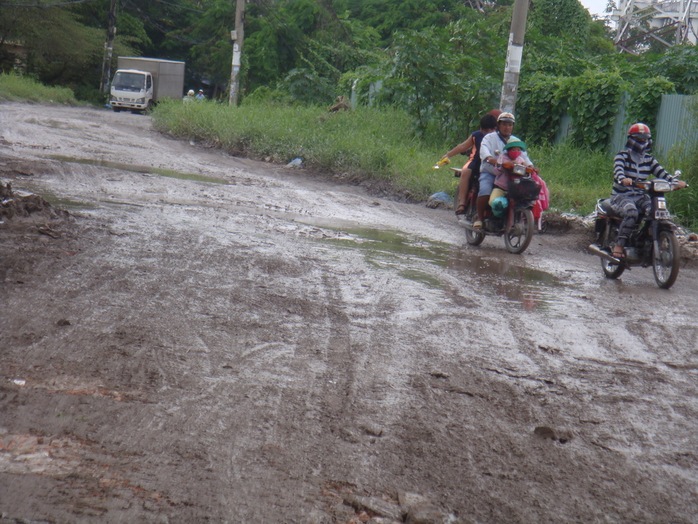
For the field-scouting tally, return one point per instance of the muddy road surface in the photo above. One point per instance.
(213, 339)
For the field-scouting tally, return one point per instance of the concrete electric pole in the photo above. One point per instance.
(237, 37)
(108, 48)
(514, 53)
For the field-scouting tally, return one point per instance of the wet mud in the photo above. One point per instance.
(210, 338)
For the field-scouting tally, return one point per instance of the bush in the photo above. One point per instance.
(17, 87)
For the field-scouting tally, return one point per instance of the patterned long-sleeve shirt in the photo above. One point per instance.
(625, 166)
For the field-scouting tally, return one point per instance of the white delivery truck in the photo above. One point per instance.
(139, 83)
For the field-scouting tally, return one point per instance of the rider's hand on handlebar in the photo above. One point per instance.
(680, 184)
(444, 160)
(627, 181)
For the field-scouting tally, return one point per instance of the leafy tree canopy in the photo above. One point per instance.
(441, 60)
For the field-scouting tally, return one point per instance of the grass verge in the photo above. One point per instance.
(379, 144)
(14, 87)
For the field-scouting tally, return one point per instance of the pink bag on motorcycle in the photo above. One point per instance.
(543, 201)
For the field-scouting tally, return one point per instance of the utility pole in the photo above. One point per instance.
(514, 53)
(237, 37)
(108, 48)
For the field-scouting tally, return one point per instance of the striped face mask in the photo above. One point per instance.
(637, 146)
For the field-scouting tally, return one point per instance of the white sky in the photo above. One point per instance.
(595, 7)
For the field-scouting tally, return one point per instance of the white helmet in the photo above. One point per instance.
(190, 92)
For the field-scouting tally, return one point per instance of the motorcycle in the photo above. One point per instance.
(652, 243)
(517, 223)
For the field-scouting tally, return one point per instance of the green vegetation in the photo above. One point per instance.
(421, 72)
(16, 87)
(440, 61)
(377, 144)
(367, 143)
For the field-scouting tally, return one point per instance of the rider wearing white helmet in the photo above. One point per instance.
(492, 145)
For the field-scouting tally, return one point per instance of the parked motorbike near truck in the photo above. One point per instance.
(653, 241)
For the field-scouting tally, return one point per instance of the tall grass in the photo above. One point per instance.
(379, 144)
(366, 143)
(14, 87)
(575, 177)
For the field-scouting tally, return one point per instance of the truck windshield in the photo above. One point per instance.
(128, 81)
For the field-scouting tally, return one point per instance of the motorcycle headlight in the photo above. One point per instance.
(661, 203)
(662, 186)
(519, 169)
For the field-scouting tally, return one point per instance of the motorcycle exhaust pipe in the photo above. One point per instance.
(596, 250)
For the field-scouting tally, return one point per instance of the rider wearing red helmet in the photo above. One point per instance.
(633, 163)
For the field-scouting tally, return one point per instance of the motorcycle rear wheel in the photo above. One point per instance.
(665, 261)
(610, 270)
(474, 238)
(519, 236)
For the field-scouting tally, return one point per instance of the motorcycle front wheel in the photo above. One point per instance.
(519, 236)
(665, 261)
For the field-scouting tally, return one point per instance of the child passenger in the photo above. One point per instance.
(514, 153)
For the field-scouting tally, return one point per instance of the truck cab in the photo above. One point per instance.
(132, 90)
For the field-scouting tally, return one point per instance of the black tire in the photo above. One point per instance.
(519, 236)
(665, 261)
(117, 109)
(610, 270)
(474, 238)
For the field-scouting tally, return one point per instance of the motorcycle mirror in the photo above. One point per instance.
(677, 173)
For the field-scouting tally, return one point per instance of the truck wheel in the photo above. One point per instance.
(116, 109)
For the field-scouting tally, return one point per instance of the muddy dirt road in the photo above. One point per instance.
(214, 339)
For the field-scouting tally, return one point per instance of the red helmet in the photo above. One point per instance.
(640, 129)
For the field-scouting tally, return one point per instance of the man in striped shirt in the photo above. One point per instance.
(633, 163)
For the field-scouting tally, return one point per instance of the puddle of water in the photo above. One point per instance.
(59, 202)
(524, 286)
(170, 173)
(421, 276)
(391, 245)
(67, 203)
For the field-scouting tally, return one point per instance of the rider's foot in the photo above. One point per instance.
(477, 224)
(460, 210)
(618, 252)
